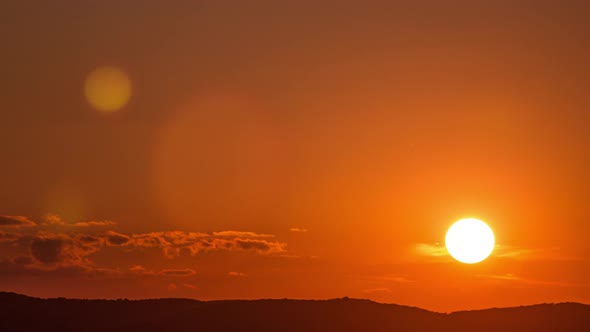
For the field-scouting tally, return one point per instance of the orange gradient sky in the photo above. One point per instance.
(272, 149)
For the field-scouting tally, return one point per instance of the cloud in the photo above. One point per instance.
(54, 246)
(117, 239)
(178, 272)
(298, 230)
(150, 240)
(16, 221)
(237, 274)
(140, 270)
(173, 243)
(9, 236)
(431, 250)
(511, 278)
(189, 286)
(47, 251)
(137, 269)
(171, 239)
(394, 278)
(52, 250)
(240, 234)
(89, 239)
(519, 253)
(92, 224)
(501, 251)
(258, 245)
(54, 219)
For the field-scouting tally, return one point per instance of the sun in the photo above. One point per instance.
(470, 240)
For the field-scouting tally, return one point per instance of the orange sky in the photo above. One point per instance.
(275, 149)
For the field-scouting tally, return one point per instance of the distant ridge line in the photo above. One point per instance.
(21, 313)
(4, 294)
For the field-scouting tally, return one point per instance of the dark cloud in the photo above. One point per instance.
(89, 239)
(178, 272)
(117, 239)
(92, 224)
(60, 249)
(167, 239)
(51, 246)
(259, 245)
(15, 221)
(149, 240)
(173, 243)
(47, 251)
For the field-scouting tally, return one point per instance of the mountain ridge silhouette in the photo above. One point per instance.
(24, 313)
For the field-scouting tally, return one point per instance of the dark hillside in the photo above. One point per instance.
(22, 313)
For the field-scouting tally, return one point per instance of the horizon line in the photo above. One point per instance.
(346, 298)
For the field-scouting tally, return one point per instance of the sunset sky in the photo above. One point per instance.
(295, 149)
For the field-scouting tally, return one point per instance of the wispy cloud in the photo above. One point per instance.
(140, 270)
(431, 250)
(438, 251)
(101, 223)
(391, 277)
(16, 221)
(8, 236)
(511, 278)
(54, 219)
(241, 234)
(237, 274)
(298, 230)
(178, 272)
(520, 253)
(137, 269)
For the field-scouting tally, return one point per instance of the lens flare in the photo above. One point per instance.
(107, 89)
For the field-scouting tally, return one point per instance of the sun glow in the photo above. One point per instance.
(470, 240)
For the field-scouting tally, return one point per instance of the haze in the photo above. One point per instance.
(292, 149)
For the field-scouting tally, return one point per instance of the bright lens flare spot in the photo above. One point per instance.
(107, 89)
(470, 241)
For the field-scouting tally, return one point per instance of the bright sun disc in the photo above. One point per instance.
(470, 240)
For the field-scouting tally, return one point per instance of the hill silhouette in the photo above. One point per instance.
(24, 313)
